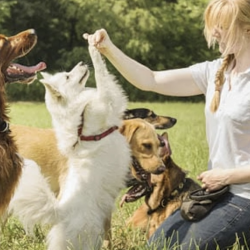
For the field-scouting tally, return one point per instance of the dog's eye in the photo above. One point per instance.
(147, 145)
(67, 77)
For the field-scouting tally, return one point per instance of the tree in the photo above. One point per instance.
(160, 34)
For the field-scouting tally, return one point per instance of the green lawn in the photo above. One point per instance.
(189, 150)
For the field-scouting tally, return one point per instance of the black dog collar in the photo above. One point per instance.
(4, 127)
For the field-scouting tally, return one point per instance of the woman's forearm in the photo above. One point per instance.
(134, 72)
(178, 82)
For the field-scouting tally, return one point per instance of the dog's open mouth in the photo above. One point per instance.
(22, 74)
(140, 186)
(136, 192)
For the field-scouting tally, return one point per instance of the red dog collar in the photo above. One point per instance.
(96, 137)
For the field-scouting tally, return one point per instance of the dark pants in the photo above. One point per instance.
(228, 222)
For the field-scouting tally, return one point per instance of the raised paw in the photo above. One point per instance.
(96, 57)
(93, 51)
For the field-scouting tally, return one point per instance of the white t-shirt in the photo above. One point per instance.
(228, 129)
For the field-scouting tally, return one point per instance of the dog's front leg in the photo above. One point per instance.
(106, 83)
(99, 64)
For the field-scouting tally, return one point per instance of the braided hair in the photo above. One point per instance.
(233, 17)
(219, 81)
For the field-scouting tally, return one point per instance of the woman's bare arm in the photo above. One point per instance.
(177, 82)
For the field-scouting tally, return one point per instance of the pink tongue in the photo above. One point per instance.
(33, 69)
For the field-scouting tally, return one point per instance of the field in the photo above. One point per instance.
(189, 150)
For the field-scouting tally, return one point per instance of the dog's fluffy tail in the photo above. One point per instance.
(33, 201)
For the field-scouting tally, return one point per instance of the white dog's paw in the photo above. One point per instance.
(93, 51)
(97, 59)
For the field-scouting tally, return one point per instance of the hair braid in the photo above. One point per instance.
(219, 81)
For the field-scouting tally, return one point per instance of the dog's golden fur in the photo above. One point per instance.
(40, 145)
(10, 162)
(169, 190)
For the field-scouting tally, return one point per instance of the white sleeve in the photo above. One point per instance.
(204, 73)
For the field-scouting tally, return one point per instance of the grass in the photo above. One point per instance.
(189, 150)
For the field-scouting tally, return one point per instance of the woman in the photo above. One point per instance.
(226, 84)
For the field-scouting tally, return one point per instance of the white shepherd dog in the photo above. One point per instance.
(86, 122)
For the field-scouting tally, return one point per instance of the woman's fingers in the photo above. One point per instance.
(97, 38)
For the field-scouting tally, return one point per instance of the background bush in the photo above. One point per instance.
(160, 34)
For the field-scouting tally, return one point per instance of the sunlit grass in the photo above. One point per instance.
(30, 113)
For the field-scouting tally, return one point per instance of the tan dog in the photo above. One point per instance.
(145, 145)
(166, 195)
(10, 163)
(40, 145)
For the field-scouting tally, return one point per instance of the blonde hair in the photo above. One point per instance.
(231, 16)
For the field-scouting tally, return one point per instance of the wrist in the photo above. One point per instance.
(227, 177)
(110, 51)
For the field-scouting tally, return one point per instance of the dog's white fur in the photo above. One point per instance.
(96, 169)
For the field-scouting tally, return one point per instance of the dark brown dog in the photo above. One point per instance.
(162, 197)
(10, 162)
(158, 121)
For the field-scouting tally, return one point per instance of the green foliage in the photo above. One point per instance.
(5, 6)
(32, 92)
(159, 34)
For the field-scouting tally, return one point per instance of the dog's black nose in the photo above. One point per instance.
(160, 170)
(173, 120)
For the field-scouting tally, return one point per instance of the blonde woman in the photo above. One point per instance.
(226, 84)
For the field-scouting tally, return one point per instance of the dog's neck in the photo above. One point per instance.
(103, 132)
(166, 199)
(174, 189)
(10, 161)
(65, 126)
(4, 126)
(96, 137)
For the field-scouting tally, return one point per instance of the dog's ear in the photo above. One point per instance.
(46, 76)
(52, 90)
(45, 81)
(128, 129)
(165, 135)
(166, 149)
